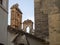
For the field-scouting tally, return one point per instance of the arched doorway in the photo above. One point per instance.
(28, 26)
(28, 30)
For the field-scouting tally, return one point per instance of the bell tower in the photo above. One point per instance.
(16, 17)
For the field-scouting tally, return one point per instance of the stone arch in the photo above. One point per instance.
(28, 23)
(27, 29)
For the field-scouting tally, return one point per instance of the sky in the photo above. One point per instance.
(26, 6)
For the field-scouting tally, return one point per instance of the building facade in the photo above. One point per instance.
(16, 17)
(24, 38)
(41, 19)
(3, 22)
(52, 9)
(54, 23)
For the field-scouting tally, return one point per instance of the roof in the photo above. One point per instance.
(16, 7)
(26, 34)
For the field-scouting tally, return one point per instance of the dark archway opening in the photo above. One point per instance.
(21, 44)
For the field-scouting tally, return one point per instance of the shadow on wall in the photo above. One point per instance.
(21, 44)
(28, 30)
(1, 44)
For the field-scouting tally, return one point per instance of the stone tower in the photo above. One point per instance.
(52, 19)
(16, 17)
(41, 19)
(54, 23)
(3, 22)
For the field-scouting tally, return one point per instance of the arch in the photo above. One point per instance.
(28, 29)
(28, 24)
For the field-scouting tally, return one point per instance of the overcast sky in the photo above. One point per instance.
(27, 8)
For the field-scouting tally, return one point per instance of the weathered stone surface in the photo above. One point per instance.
(54, 29)
(41, 20)
(50, 22)
(16, 17)
(3, 22)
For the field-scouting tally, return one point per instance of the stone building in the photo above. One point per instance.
(52, 9)
(3, 21)
(16, 22)
(41, 19)
(54, 23)
(24, 38)
(16, 17)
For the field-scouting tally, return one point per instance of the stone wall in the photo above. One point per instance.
(54, 29)
(3, 22)
(52, 9)
(41, 20)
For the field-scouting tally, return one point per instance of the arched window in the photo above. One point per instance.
(28, 30)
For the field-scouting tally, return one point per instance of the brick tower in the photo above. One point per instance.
(16, 17)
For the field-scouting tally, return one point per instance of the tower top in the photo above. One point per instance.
(15, 6)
